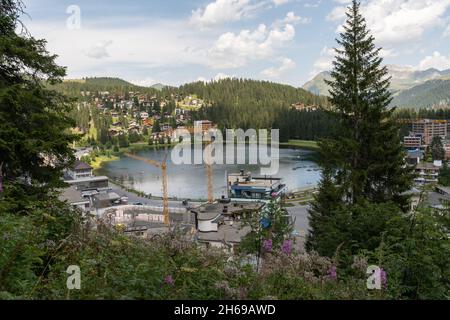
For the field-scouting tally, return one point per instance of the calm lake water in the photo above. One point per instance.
(190, 181)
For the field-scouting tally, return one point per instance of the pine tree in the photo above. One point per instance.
(365, 159)
(437, 149)
(34, 124)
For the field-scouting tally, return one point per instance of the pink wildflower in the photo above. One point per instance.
(268, 245)
(286, 248)
(169, 280)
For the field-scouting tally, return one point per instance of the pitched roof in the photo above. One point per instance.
(72, 196)
(79, 165)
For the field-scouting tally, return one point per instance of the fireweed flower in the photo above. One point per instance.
(169, 280)
(333, 272)
(268, 245)
(286, 248)
(383, 277)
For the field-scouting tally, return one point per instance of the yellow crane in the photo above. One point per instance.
(209, 172)
(163, 166)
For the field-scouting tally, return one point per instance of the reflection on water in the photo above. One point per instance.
(190, 181)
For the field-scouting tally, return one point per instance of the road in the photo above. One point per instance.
(133, 198)
(300, 214)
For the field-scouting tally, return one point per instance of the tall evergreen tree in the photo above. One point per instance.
(366, 158)
(437, 149)
(34, 122)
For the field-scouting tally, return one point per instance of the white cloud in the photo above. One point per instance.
(436, 61)
(217, 77)
(275, 72)
(99, 50)
(292, 18)
(221, 76)
(324, 62)
(313, 4)
(87, 52)
(280, 2)
(146, 82)
(447, 31)
(398, 21)
(234, 50)
(222, 11)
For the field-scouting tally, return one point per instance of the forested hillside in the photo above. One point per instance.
(233, 103)
(114, 85)
(239, 103)
(429, 94)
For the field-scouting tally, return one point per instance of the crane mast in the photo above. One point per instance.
(163, 167)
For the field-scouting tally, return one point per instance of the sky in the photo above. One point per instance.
(179, 41)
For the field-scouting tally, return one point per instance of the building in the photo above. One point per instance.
(446, 144)
(220, 224)
(106, 199)
(412, 141)
(414, 157)
(144, 115)
(428, 129)
(428, 172)
(243, 186)
(440, 198)
(90, 183)
(73, 197)
(203, 125)
(80, 170)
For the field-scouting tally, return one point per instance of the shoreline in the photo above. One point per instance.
(101, 160)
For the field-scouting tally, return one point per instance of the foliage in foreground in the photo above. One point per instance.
(38, 247)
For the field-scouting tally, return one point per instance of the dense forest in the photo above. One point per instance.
(430, 94)
(242, 103)
(238, 103)
(113, 85)
(230, 103)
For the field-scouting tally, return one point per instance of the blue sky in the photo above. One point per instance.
(178, 41)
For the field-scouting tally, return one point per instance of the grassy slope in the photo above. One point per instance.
(308, 145)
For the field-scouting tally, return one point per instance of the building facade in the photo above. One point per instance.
(428, 129)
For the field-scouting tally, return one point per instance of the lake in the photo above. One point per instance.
(190, 181)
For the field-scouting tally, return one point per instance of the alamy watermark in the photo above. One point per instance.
(241, 147)
(74, 278)
(377, 278)
(74, 20)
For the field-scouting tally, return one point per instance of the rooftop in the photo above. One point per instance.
(427, 166)
(112, 196)
(226, 233)
(437, 200)
(212, 211)
(89, 179)
(72, 196)
(80, 165)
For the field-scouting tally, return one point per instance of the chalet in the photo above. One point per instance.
(428, 172)
(115, 131)
(144, 115)
(134, 129)
(203, 125)
(220, 224)
(80, 170)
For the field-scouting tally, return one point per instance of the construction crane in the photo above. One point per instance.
(163, 166)
(209, 172)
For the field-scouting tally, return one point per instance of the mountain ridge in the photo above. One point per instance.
(408, 85)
